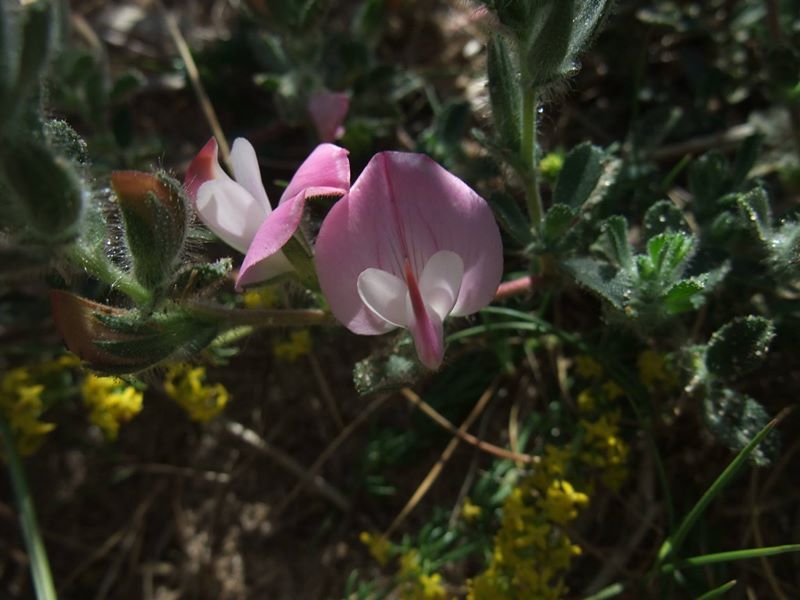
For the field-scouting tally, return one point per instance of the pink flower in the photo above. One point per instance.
(408, 246)
(238, 211)
(328, 111)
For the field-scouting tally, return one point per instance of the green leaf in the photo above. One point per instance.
(613, 286)
(684, 296)
(47, 194)
(745, 160)
(590, 15)
(613, 242)
(504, 90)
(755, 210)
(557, 223)
(735, 418)
(579, 176)
(739, 347)
(511, 217)
(39, 33)
(116, 341)
(663, 216)
(155, 214)
(546, 45)
(708, 181)
(669, 254)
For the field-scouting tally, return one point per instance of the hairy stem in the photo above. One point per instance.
(108, 273)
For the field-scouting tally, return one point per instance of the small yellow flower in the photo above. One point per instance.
(298, 344)
(561, 502)
(21, 404)
(550, 166)
(263, 297)
(586, 401)
(377, 545)
(588, 368)
(111, 402)
(432, 588)
(612, 390)
(186, 385)
(654, 371)
(470, 511)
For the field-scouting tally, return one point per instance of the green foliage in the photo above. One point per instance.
(735, 419)
(511, 219)
(647, 289)
(154, 209)
(46, 196)
(504, 90)
(739, 347)
(117, 341)
(549, 34)
(580, 175)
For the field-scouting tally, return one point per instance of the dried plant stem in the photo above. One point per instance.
(437, 468)
(252, 439)
(194, 78)
(460, 432)
(325, 390)
(37, 554)
(329, 450)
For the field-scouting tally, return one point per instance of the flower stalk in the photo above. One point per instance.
(40, 566)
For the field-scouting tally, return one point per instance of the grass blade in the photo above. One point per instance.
(40, 566)
(672, 544)
(717, 592)
(719, 557)
(613, 590)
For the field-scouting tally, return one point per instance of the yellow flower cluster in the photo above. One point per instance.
(377, 545)
(263, 297)
(531, 552)
(111, 402)
(186, 385)
(415, 583)
(298, 344)
(655, 373)
(21, 405)
(604, 449)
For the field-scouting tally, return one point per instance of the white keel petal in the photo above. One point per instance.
(441, 280)
(384, 294)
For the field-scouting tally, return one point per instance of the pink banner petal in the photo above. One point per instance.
(406, 207)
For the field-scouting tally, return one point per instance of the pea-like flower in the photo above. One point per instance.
(237, 208)
(409, 245)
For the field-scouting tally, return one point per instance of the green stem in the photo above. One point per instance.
(528, 155)
(260, 317)
(40, 567)
(109, 273)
